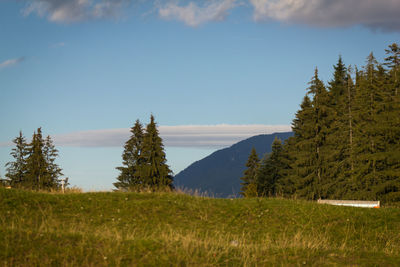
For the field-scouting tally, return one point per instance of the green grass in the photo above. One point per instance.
(169, 229)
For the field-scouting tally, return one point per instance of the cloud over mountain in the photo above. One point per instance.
(173, 136)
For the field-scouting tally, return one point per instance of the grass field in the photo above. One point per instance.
(170, 229)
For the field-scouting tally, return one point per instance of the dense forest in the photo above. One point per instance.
(346, 141)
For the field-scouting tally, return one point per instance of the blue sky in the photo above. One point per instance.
(86, 67)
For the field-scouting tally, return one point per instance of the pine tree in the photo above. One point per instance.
(16, 170)
(153, 169)
(300, 148)
(339, 161)
(337, 86)
(368, 138)
(393, 62)
(37, 176)
(273, 171)
(311, 127)
(53, 170)
(128, 178)
(344, 172)
(249, 184)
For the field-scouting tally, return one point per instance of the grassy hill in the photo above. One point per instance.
(161, 229)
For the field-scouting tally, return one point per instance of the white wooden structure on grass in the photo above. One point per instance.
(351, 203)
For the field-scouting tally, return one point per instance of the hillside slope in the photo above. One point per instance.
(219, 173)
(166, 229)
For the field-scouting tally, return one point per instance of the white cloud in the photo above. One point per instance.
(173, 136)
(194, 15)
(75, 10)
(375, 14)
(60, 44)
(382, 14)
(11, 62)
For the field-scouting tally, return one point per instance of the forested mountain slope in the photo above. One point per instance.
(219, 174)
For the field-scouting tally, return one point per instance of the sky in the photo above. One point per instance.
(212, 72)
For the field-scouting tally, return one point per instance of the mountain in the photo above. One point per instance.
(219, 173)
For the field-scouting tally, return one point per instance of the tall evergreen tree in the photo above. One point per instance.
(337, 86)
(273, 171)
(368, 138)
(16, 170)
(312, 135)
(339, 163)
(153, 170)
(129, 178)
(393, 62)
(249, 184)
(37, 176)
(344, 172)
(54, 172)
(300, 147)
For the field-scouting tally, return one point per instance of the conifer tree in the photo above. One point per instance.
(249, 184)
(153, 169)
(273, 171)
(300, 147)
(344, 171)
(129, 178)
(337, 86)
(312, 138)
(368, 106)
(53, 170)
(393, 62)
(37, 176)
(338, 146)
(16, 170)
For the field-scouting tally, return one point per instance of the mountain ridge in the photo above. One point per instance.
(219, 173)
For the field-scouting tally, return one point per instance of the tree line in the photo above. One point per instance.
(34, 165)
(144, 161)
(346, 141)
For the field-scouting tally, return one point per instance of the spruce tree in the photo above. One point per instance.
(338, 147)
(16, 170)
(344, 171)
(129, 178)
(53, 170)
(249, 184)
(273, 171)
(37, 176)
(300, 147)
(153, 169)
(393, 62)
(311, 127)
(367, 137)
(337, 86)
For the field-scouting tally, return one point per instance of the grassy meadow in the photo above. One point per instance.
(174, 229)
